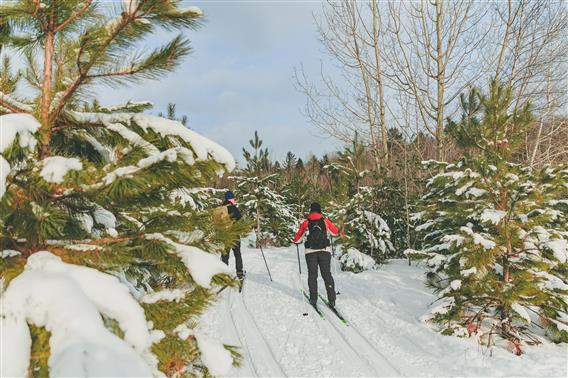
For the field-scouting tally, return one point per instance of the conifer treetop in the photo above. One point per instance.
(82, 43)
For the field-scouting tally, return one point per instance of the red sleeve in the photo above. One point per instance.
(301, 230)
(331, 227)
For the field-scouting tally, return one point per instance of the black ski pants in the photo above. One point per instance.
(238, 258)
(323, 260)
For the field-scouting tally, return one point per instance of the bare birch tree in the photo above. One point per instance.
(403, 64)
(432, 44)
(529, 52)
(351, 33)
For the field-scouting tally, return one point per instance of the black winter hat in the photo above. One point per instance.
(315, 208)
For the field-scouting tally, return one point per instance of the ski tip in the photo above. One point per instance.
(305, 314)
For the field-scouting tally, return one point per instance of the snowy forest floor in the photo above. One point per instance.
(384, 338)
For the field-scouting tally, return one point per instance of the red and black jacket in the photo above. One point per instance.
(315, 216)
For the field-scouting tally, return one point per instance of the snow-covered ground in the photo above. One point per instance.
(384, 338)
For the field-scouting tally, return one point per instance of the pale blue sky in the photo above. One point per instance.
(239, 77)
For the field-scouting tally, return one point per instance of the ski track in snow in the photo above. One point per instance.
(384, 337)
(340, 339)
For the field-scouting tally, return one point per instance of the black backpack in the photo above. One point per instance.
(317, 236)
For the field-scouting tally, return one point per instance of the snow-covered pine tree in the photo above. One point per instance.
(365, 230)
(294, 186)
(356, 212)
(105, 249)
(496, 233)
(256, 189)
(395, 207)
(274, 215)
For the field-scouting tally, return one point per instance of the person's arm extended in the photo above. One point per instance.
(331, 227)
(301, 230)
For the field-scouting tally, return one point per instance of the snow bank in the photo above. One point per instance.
(15, 338)
(202, 266)
(55, 168)
(67, 300)
(356, 261)
(18, 124)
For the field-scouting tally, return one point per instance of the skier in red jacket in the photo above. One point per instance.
(317, 252)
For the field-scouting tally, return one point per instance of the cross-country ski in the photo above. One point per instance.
(334, 310)
(314, 306)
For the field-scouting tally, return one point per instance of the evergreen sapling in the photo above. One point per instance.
(495, 233)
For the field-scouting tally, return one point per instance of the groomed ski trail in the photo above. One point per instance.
(385, 336)
(257, 352)
(359, 344)
(341, 341)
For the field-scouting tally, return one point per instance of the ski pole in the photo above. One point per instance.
(265, 263)
(298, 252)
(334, 265)
(305, 313)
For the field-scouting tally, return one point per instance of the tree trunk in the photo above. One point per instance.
(45, 131)
(379, 79)
(406, 206)
(505, 262)
(440, 156)
(365, 78)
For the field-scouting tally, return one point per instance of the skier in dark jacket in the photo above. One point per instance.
(234, 214)
(317, 252)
